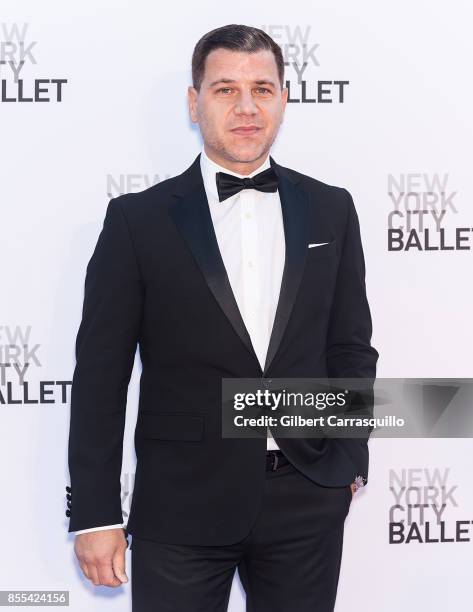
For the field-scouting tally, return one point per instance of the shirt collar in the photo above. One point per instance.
(209, 168)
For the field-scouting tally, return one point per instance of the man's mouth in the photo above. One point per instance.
(247, 130)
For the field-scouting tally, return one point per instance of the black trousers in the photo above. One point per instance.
(289, 562)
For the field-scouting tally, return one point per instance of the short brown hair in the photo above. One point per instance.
(236, 38)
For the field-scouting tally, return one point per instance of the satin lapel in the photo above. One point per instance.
(190, 212)
(295, 211)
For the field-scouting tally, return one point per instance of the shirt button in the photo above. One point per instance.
(248, 215)
(250, 264)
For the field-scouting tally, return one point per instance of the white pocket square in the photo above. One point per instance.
(316, 244)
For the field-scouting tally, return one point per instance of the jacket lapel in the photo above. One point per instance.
(295, 211)
(190, 212)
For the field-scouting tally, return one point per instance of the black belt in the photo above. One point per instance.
(275, 459)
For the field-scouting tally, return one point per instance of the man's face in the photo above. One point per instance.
(239, 107)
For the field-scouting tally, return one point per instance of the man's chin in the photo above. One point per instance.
(246, 154)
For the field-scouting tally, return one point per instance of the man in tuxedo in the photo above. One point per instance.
(238, 267)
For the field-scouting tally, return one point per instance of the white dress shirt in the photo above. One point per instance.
(250, 235)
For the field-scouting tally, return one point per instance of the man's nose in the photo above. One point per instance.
(245, 104)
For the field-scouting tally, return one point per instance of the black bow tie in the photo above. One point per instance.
(228, 184)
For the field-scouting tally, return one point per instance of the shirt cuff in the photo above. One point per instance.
(99, 528)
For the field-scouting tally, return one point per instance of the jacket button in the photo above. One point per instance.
(69, 496)
(68, 489)
(68, 513)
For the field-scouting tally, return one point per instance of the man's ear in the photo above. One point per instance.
(192, 102)
(284, 97)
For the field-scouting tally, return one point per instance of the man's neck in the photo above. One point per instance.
(243, 168)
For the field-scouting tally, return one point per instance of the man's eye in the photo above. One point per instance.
(223, 89)
(264, 90)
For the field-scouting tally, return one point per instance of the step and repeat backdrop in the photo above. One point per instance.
(93, 104)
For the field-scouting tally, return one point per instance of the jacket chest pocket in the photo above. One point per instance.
(321, 251)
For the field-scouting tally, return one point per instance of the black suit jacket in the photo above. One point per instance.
(156, 279)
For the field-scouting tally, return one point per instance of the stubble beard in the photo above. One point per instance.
(232, 155)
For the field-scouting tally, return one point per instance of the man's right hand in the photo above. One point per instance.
(101, 555)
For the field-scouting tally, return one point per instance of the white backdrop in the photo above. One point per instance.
(403, 127)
